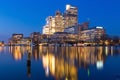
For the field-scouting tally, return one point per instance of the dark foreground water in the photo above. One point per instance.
(59, 63)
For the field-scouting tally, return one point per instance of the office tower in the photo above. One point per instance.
(46, 29)
(49, 28)
(54, 24)
(71, 16)
(59, 22)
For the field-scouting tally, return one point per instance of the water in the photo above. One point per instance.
(59, 63)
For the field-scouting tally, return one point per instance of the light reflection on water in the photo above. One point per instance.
(62, 63)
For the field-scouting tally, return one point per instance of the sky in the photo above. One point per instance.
(27, 16)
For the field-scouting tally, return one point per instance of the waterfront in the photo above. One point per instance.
(59, 63)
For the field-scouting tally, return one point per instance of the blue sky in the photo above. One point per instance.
(26, 16)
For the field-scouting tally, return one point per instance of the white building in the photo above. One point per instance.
(46, 29)
(54, 24)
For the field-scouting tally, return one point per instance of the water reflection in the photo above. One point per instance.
(29, 64)
(1, 49)
(17, 52)
(64, 62)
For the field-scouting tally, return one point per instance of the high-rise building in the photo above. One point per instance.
(71, 16)
(51, 24)
(54, 24)
(46, 29)
(59, 22)
(49, 28)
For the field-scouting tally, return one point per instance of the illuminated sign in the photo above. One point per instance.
(99, 27)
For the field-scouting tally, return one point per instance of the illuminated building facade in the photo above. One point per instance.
(92, 34)
(17, 36)
(68, 22)
(16, 39)
(72, 29)
(46, 29)
(63, 37)
(59, 22)
(77, 28)
(54, 24)
(71, 16)
(49, 28)
(26, 41)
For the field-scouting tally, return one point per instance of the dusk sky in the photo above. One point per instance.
(26, 16)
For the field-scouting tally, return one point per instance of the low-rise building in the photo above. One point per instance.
(15, 39)
(72, 29)
(63, 37)
(26, 41)
(35, 37)
(17, 36)
(92, 34)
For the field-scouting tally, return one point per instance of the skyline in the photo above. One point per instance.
(29, 16)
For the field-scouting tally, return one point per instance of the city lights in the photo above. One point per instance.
(99, 65)
(56, 40)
